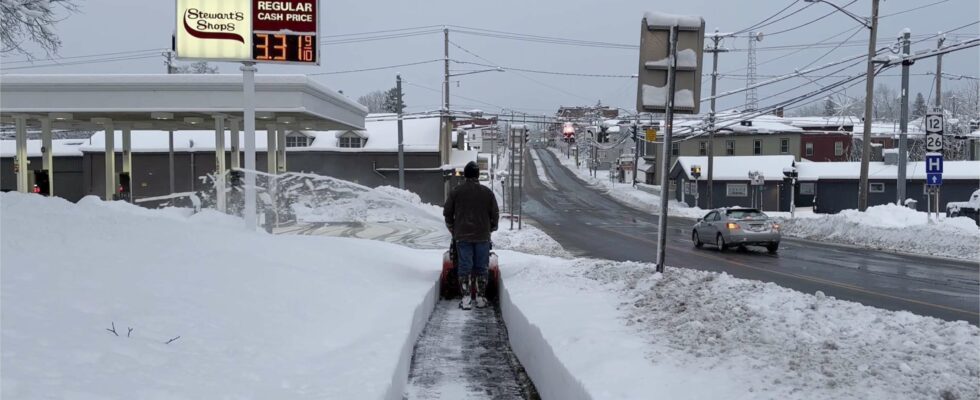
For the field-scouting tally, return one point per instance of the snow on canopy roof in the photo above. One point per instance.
(418, 135)
(157, 141)
(812, 171)
(736, 168)
(59, 147)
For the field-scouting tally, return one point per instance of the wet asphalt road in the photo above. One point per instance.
(589, 223)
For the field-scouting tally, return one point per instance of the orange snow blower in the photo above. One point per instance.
(449, 281)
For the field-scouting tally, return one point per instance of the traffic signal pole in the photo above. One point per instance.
(665, 151)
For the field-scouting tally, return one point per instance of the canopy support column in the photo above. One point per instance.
(47, 157)
(219, 161)
(20, 164)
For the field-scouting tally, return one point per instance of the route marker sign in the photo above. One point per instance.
(934, 131)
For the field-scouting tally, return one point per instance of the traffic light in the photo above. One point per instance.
(655, 54)
(696, 171)
(42, 184)
(527, 136)
(124, 187)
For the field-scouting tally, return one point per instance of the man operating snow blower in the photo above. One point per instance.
(471, 214)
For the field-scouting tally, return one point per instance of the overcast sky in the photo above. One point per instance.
(106, 26)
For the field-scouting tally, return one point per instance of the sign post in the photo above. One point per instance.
(934, 158)
(249, 32)
(669, 81)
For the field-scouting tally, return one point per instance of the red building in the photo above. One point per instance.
(825, 146)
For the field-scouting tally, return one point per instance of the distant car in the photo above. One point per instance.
(732, 227)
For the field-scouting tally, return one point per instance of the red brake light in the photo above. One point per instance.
(37, 189)
(732, 226)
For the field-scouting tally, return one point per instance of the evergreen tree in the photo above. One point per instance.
(391, 101)
(919, 108)
(829, 109)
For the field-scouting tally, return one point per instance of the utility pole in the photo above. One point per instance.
(520, 187)
(868, 105)
(714, 50)
(169, 56)
(939, 108)
(904, 120)
(446, 137)
(401, 137)
(636, 150)
(939, 73)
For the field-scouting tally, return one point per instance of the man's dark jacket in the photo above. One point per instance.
(471, 212)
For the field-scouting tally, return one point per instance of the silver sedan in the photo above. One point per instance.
(731, 227)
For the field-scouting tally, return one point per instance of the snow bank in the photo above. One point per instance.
(891, 227)
(529, 240)
(623, 331)
(258, 316)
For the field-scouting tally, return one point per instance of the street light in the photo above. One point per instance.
(871, 24)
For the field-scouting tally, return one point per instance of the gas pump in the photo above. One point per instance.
(41, 184)
(124, 193)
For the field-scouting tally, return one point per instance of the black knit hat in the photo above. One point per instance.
(472, 170)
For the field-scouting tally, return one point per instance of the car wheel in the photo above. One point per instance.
(720, 242)
(773, 247)
(696, 239)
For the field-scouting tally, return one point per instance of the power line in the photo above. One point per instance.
(808, 23)
(377, 68)
(535, 71)
(759, 24)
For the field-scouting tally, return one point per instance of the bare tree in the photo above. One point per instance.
(374, 101)
(31, 21)
(199, 67)
(885, 103)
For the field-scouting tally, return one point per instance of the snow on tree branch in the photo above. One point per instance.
(27, 21)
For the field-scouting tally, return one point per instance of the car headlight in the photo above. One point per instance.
(775, 226)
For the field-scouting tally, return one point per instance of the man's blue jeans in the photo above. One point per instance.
(474, 257)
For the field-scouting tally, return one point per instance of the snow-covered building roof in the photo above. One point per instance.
(733, 168)
(59, 147)
(418, 135)
(157, 141)
(458, 158)
(832, 122)
(952, 170)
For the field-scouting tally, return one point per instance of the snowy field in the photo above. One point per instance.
(258, 316)
(286, 316)
(885, 227)
(589, 328)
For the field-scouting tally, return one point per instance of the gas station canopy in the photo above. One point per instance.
(176, 101)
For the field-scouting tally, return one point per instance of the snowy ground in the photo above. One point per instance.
(890, 227)
(258, 316)
(619, 330)
(284, 316)
(886, 227)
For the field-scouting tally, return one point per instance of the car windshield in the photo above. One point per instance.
(746, 214)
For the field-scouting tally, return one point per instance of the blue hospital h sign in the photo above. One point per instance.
(934, 163)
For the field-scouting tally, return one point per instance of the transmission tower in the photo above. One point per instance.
(751, 95)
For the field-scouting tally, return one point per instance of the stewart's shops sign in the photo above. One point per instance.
(277, 31)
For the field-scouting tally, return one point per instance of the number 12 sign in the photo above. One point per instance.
(934, 131)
